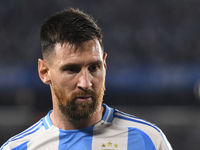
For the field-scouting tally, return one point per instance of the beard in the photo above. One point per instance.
(76, 110)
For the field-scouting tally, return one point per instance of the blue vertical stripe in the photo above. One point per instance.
(76, 139)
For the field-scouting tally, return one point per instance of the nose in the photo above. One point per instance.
(84, 82)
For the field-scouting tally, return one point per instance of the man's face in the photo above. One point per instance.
(78, 79)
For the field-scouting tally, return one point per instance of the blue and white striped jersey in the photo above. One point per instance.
(116, 131)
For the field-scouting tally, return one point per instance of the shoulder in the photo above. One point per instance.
(154, 132)
(24, 137)
(128, 120)
(138, 139)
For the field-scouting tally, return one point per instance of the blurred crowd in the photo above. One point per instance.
(157, 31)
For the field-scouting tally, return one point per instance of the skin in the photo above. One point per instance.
(71, 70)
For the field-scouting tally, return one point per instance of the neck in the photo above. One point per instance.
(64, 123)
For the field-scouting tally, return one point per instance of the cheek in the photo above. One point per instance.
(68, 85)
(99, 82)
(61, 85)
(63, 80)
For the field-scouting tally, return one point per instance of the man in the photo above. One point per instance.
(74, 66)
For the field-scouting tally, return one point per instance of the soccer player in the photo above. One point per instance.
(74, 66)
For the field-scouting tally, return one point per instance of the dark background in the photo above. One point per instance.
(153, 62)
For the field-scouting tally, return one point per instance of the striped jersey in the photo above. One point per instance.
(116, 131)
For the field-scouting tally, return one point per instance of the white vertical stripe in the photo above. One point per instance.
(110, 137)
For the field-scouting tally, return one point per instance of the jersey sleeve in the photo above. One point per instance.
(140, 142)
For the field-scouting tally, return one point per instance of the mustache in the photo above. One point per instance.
(82, 94)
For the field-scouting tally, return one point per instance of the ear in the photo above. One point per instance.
(43, 71)
(104, 60)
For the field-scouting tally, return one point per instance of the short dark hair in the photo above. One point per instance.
(69, 26)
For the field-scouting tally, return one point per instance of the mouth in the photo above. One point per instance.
(83, 98)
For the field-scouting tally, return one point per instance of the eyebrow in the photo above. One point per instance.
(98, 62)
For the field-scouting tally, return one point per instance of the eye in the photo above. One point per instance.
(93, 68)
(73, 69)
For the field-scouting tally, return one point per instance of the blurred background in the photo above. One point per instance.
(153, 62)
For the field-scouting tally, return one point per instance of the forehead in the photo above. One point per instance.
(86, 51)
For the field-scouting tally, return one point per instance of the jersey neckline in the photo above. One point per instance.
(107, 118)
